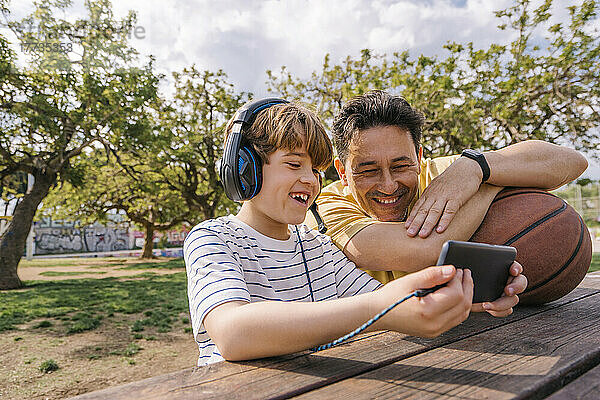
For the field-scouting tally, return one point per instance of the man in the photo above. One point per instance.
(383, 210)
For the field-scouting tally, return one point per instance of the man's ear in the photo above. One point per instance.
(339, 167)
(419, 157)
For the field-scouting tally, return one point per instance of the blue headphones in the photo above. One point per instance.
(240, 168)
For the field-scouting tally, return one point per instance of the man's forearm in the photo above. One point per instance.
(534, 164)
(385, 246)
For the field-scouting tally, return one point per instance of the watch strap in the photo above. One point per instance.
(480, 159)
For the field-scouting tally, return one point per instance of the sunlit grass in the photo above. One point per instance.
(72, 262)
(76, 305)
(171, 264)
(595, 263)
(70, 273)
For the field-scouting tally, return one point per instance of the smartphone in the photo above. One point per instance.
(489, 265)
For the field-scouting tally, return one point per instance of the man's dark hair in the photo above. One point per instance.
(374, 109)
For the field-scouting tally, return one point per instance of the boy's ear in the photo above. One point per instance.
(341, 170)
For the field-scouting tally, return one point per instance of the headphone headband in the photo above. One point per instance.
(240, 168)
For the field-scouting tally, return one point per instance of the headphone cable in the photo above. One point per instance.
(416, 293)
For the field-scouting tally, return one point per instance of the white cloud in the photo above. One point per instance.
(245, 38)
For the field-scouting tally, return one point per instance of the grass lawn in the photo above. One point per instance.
(76, 305)
(83, 324)
(595, 262)
(97, 262)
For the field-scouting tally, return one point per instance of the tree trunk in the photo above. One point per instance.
(14, 239)
(148, 241)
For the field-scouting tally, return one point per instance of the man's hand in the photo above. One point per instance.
(444, 196)
(517, 283)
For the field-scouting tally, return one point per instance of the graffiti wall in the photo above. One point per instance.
(55, 237)
(59, 237)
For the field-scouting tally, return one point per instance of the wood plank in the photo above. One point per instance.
(585, 387)
(294, 374)
(528, 359)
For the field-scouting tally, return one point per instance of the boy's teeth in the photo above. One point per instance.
(300, 196)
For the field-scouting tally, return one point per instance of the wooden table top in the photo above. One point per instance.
(551, 350)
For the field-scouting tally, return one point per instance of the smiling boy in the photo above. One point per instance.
(261, 283)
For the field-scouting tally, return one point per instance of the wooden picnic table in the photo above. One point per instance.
(551, 350)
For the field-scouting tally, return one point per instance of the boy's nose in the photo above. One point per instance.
(309, 177)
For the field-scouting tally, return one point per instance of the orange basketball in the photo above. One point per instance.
(553, 244)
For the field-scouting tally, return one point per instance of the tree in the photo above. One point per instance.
(65, 100)
(190, 135)
(483, 98)
(109, 186)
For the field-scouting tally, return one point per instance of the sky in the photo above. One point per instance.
(244, 38)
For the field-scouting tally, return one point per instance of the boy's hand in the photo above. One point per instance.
(433, 314)
(517, 283)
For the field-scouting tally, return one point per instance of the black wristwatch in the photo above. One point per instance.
(480, 158)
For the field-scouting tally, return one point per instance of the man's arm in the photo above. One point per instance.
(252, 330)
(385, 246)
(532, 163)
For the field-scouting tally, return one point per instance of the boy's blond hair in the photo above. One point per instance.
(288, 126)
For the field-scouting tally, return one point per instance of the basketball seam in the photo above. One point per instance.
(535, 224)
(566, 264)
(527, 192)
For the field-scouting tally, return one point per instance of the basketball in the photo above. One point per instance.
(553, 244)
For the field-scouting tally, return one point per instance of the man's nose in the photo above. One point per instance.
(387, 184)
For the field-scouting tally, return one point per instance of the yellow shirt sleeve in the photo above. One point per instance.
(344, 217)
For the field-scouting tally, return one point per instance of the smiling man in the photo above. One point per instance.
(391, 211)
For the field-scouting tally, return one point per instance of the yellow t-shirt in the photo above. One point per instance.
(344, 217)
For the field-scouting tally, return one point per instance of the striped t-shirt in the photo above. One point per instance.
(227, 260)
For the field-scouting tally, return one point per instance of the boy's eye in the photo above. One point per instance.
(293, 165)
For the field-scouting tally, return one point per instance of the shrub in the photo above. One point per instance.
(48, 366)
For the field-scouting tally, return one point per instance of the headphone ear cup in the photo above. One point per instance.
(250, 172)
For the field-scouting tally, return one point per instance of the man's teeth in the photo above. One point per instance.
(387, 201)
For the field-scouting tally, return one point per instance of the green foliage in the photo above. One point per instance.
(175, 263)
(132, 349)
(125, 184)
(58, 104)
(481, 98)
(43, 324)
(189, 139)
(84, 321)
(584, 197)
(70, 273)
(164, 296)
(48, 366)
(595, 263)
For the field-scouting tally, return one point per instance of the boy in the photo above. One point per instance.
(257, 281)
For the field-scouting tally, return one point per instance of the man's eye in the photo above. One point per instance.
(367, 172)
(400, 167)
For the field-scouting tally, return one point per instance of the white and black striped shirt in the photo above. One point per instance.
(227, 260)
